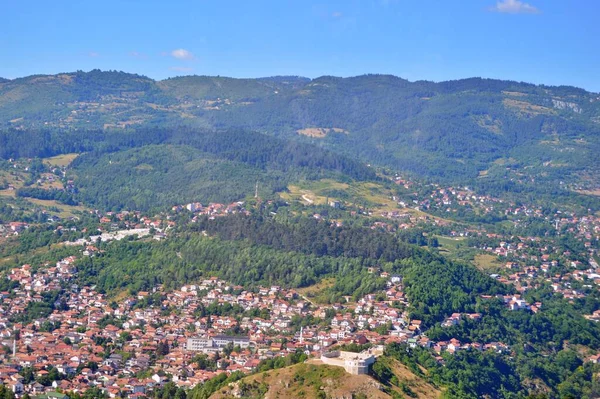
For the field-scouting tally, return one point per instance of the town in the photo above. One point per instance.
(146, 340)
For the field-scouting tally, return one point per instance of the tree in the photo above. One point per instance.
(28, 376)
(162, 348)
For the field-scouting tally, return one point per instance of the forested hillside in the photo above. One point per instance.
(152, 168)
(474, 130)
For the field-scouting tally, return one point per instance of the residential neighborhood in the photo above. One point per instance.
(130, 345)
(146, 340)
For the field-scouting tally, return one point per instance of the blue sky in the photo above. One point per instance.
(540, 41)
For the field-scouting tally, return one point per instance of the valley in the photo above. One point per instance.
(300, 200)
(197, 258)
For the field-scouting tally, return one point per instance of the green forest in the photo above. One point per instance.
(449, 131)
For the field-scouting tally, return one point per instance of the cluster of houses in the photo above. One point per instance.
(455, 318)
(129, 347)
(13, 228)
(212, 209)
(450, 199)
(531, 261)
(444, 200)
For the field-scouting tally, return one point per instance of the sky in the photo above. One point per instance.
(553, 42)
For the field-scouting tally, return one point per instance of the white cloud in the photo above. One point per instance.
(182, 54)
(93, 54)
(514, 7)
(181, 69)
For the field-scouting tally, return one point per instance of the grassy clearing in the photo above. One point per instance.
(17, 180)
(7, 193)
(312, 293)
(14, 178)
(377, 194)
(524, 107)
(311, 192)
(65, 210)
(319, 132)
(61, 160)
(456, 248)
(487, 262)
(372, 195)
(595, 193)
(452, 243)
(144, 166)
(35, 252)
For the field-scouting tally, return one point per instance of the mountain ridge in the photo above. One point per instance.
(459, 131)
(307, 79)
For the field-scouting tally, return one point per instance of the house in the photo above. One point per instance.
(17, 227)
(335, 204)
(16, 386)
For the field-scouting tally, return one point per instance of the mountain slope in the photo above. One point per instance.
(161, 176)
(459, 131)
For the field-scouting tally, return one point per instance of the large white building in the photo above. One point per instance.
(353, 363)
(197, 344)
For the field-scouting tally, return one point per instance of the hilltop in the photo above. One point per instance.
(318, 381)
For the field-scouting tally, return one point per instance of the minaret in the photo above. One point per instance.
(256, 190)
(301, 330)
(14, 344)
